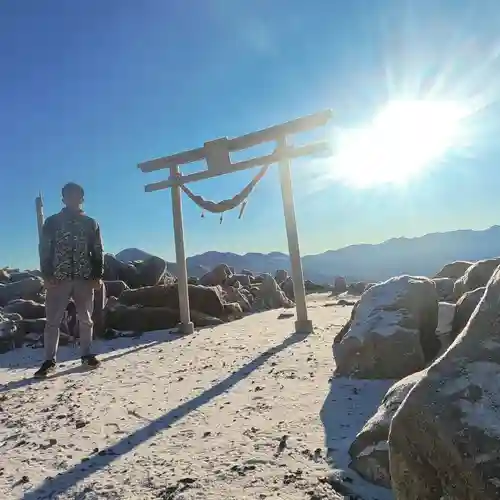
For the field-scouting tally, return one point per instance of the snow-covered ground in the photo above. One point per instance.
(241, 411)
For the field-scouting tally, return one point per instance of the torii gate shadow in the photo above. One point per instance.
(79, 472)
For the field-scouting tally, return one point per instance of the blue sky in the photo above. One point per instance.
(89, 89)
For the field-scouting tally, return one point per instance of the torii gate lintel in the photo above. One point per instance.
(216, 154)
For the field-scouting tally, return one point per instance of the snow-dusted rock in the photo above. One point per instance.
(281, 275)
(270, 296)
(454, 270)
(393, 330)
(28, 289)
(7, 327)
(464, 309)
(476, 276)
(219, 275)
(28, 309)
(370, 451)
(340, 284)
(444, 287)
(445, 437)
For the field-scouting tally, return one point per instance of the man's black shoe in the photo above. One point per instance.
(91, 361)
(47, 367)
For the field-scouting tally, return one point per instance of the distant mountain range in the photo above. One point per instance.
(423, 255)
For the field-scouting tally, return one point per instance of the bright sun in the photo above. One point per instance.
(401, 141)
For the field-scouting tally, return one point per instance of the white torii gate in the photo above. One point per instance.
(216, 154)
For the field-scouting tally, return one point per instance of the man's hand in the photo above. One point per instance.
(96, 284)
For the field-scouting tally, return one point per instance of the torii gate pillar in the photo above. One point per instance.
(303, 324)
(216, 153)
(186, 325)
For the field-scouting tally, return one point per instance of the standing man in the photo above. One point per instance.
(71, 263)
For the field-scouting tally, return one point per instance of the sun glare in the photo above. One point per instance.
(405, 138)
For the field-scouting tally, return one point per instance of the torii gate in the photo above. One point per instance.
(216, 154)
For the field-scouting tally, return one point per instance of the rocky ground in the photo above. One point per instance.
(244, 410)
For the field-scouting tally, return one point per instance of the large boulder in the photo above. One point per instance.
(287, 287)
(243, 279)
(270, 295)
(137, 274)
(476, 276)
(236, 295)
(454, 270)
(21, 275)
(204, 299)
(98, 312)
(464, 309)
(28, 309)
(393, 330)
(28, 289)
(444, 287)
(115, 288)
(370, 451)
(357, 288)
(145, 319)
(218, 276)
(8, 327)
(281, 275)
(445, 437)
(340, 285)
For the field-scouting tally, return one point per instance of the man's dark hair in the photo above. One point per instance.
(72, 187)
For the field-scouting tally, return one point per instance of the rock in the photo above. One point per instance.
(151, 272)
(98, 313)
(144, 319)
(115, 288)
(312, 287)
(235, 295)
(232, 311)
(357, 288)
(287, 287)
(476, 276)
(247, 272)
(444, 287)
(445, 437)
(26, 289)
(370, 451)
(454, 270)
(201, 298)
(464, 309)
(242, 279)
(148, 272)
(270, 296)
(393, 331)
(340, 285)
(33, 325)
(20, 276)
(4, 276)
(280, 276)
(8, 328)
(218, 276)
(28, 309)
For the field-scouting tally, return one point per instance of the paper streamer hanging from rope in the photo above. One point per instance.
(226, 205)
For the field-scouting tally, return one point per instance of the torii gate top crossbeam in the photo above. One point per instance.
(220, 149)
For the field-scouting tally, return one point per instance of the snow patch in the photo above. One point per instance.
(483, 413)
(446, 314)
(374, 314)
(380, 446)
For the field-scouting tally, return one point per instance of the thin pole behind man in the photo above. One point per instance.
(71, 263)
